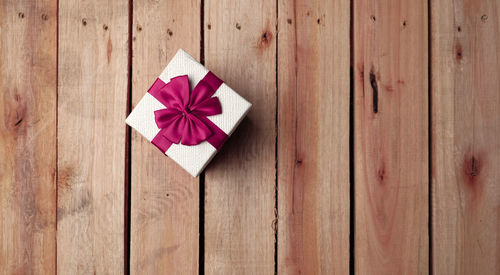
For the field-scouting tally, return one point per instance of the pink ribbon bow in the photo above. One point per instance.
(185, 118)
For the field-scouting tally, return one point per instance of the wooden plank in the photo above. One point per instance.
(391, 137)
(92, 104)
(165, 198)
(465, 129)
(240, 47)
(313, 137)
(28, 89)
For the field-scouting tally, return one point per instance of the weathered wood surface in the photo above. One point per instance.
(165, 199)
(465, 129)
(277, 198)
(28, 96)
(240, 48)
(391, 137)
(92, 101)
(313, 137)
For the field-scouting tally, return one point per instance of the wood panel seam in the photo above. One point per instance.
(128, 149)
(57, 132)
(276, 197)
(352, 226)
(429, 133)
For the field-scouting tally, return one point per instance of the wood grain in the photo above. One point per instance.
(391, 137)
(64, 148)
(313, 137)
(465, 129)
(93, 77)
(28, 92)
(240, 48)
(165, 198)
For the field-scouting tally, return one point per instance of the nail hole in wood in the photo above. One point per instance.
(381, 175)
(19, 121)
(265, 38)
(458, 49)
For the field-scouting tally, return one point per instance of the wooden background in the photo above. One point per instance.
(373, 144)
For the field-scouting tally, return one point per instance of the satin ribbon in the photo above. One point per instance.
(185, 119)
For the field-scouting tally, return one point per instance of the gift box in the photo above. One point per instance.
(188, 113)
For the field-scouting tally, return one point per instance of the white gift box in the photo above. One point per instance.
(196, 157)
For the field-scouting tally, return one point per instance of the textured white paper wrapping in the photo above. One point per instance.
(192, 158)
